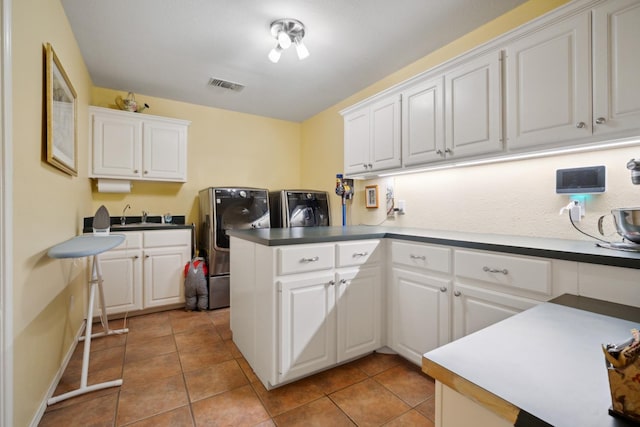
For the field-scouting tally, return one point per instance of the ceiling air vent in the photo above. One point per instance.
(224, 84)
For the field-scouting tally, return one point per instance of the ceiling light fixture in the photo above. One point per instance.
(287, 32)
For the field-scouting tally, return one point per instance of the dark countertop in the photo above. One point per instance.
(134, 223)
(547, 361)
(569, 250)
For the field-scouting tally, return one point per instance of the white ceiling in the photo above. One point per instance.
(171, 48)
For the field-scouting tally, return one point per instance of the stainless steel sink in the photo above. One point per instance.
(142, 224)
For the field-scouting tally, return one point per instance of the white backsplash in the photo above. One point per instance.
(516, 197)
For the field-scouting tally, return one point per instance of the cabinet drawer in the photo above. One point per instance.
(531, 274)
(425, 257)
(154, 239)
(300, 259)
(132, 240)
(357, 253)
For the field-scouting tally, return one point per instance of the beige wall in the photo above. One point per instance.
(516, 197)
(228, 148)
(225, 148)
(48, 205)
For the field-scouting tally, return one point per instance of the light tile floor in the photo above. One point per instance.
(182, 369)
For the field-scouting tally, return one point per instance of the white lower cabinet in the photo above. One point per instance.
(145, 271)
(608, 283)
(359, 312)
(439, 293)
(122, 276)
(476, 308)
(421, 313)
(309, 306)
(419, 306)
(307, 325)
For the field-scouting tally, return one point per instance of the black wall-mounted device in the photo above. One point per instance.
(581, 180)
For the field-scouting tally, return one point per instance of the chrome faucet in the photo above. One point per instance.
(122, 218)
(144, 216)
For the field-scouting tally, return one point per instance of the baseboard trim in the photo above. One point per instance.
(54, 383)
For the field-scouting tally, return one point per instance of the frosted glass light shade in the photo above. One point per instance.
(284, 40)
(274, 55)
(301, 49)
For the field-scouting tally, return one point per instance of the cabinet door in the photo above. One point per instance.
(117, 146)
(164, 151)
(548, 87)
(385, 134)
(121, 281)
(476, 308)
(420, 313)
(357, 133)
(359, 308)
(423, 123)
(307, 325)
(616, 43)
(473, 107)
(608, 283)
(164, 275)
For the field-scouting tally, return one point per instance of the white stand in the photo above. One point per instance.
(96, 280)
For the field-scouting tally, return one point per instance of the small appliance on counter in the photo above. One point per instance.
(299, 208)
(222, 209)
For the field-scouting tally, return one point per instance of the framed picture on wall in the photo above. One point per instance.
(371, 196)
(62, 145)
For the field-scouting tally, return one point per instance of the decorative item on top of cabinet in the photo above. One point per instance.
(372, 137)
(134, 146)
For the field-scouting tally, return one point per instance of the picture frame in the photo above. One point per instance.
(61, 107)
(371, 196)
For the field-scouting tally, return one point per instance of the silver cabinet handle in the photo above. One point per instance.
(581, 125)
(457, 293)
(422, 257)
(448, 151)
(600, 120)
(365, 165)
(332, 282)
(136, 257)
(147, 256)
(359, 254)
(135, 171)
(443, 289)
(439, 152)
(314, 259)
(495, 270)
(370, 166)
(343, 281)
(145, 172)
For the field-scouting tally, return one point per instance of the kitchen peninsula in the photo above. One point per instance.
(306, 299)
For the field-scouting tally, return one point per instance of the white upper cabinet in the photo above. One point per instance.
(568, 79)
(473, 112)
(135, 146)
(548, 85)
(616, 67)
(372, 137)
(423, 122)
(117, 145)
(576, 81)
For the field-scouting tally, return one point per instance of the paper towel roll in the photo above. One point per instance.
(113, 186)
